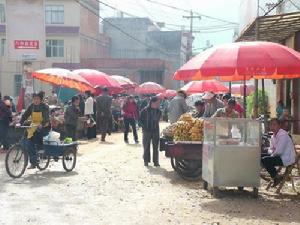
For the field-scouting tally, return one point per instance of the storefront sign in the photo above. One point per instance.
(26, 44)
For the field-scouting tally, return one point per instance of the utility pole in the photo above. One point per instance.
(255, 107)
(189, 44)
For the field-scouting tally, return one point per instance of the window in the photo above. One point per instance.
(54, 48)
(54, 14)
(2, 47)
(18, 83)
(2, 13)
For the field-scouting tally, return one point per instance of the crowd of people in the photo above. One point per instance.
(105, 114)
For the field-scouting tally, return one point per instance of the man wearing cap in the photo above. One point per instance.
(212, 104)
(103, 105)
(177, 106)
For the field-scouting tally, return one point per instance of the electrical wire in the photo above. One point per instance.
(294, 4)
(124, 32)
(188, 11)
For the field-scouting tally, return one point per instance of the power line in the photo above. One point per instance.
(124, 32)
(188, 11)
(294, 4)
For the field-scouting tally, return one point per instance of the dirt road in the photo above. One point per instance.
(110, 186)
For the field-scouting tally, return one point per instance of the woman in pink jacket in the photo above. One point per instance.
(130, 114)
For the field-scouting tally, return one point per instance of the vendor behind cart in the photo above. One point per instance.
(228, 111)
(212, 104)
(177, 106)
(71, 118)
(38, 113)
(200, 108)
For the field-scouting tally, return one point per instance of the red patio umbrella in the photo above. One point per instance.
(204, 86)
(98, 79)
(63, 77)
(125, 82)
(150, 88)
(167, 94)
(243, 60)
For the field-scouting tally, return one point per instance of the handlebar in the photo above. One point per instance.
(26, 127)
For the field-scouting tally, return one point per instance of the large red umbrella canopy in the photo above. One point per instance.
(63, 77)
(243, 60)
(98, 79)
(204, 86)
(150, 88)
(125, 82)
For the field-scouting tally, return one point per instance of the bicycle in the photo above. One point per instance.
(16, 160)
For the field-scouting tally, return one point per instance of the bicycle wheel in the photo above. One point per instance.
(43, 161)
(16, 161)
(69, 159)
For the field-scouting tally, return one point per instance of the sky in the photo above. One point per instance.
(208, 29)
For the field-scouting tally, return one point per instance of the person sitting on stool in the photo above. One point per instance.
(282, 152)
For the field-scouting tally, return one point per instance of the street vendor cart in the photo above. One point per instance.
(182, 142)
(231, 154)
(185, 157)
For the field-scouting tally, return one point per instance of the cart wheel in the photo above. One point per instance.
(16, 161)
(43, 161)
(255, 192)
(240, 189)
(69, 159)
(205, 185)
(190, 170)
(173, 163)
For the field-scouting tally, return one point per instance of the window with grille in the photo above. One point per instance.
(2, 13)
(2, 47)
(54, 48)
(18, 83)
(55, 14)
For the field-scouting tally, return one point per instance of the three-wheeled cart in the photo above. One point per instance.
(231, 154)
(185, 157)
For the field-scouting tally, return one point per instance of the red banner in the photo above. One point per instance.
(26, 44)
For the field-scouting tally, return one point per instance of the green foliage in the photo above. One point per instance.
(250, 103)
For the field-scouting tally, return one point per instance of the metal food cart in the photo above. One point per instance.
(231, 154)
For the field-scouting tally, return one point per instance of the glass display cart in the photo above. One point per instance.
(231, 154)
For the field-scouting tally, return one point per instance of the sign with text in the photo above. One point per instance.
(26, 44)
(25, 29)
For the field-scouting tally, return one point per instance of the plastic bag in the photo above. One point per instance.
(53, 138)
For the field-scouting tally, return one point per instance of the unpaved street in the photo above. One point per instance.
(110, 186)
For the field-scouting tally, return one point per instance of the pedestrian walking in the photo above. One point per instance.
(5, 119)
(71, 118)
(103, 105)
(90, 115)
(150, 117)
(130, 114)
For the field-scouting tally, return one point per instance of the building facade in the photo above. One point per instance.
(144, 41)
(71, 35)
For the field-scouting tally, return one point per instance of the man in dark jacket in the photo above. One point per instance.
(150, 117)
(103, 105)
(71, 118)
(5, 119)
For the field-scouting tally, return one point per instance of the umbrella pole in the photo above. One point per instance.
(245, 95)
(264, 103)
(230, 86)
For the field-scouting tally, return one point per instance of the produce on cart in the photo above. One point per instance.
(182, 142)
(231, 154)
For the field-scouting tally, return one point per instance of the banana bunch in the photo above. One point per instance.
(188, 129)
(169, 131)
(182, 131)
(196, 132)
